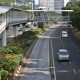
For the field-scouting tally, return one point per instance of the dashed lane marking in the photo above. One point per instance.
(64, 71)
(74, 71)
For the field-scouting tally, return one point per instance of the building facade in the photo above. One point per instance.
(42, 3)
(49, 4)
(73, 0)
(53, 4)
(58, 4)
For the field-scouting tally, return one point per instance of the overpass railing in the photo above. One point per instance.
(48, 18)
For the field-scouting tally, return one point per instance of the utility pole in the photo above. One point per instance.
(33, 4)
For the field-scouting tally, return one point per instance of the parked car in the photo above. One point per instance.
(64, 34)
(63, 55)
(69, 25)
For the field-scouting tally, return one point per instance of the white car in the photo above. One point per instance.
(63, 54)
(64, 34)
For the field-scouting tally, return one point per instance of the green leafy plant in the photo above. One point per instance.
(3, 74)
(38, 31)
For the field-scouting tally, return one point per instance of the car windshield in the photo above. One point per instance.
(63, 53)
(64, 32)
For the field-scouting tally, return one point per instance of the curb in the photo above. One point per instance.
(31, 48)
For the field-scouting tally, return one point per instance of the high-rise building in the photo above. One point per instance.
(53, 4)
(73, 0)
(43, 3)
(58, 4)
(50, 4)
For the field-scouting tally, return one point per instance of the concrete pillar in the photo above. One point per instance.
(32, 24)
(4, 40)
(23, 27)
(15, 31)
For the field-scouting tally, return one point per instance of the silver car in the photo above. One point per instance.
(64, 34)
(63, 54)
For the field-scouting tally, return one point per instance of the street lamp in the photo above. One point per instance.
(33, 4)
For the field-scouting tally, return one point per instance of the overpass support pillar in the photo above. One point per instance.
(15, 31)
(24, 26)
(4, 40)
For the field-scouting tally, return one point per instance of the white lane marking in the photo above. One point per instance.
(48, 52)
(64, 70)
(48, 45)
(74, 71)
(53, 61)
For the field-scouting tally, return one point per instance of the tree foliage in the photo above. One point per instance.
(74, 16)
(6, 2)
(24, 6)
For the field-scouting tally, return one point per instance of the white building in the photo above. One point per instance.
(49, 4)
(73, 0)
(53, 4)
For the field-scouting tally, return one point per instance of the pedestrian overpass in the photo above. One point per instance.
(16, 17)
(45, 16)
(48, 19)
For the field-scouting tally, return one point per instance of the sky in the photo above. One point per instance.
(66, 1)
(36, 1)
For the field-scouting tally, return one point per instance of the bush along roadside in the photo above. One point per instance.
(13, 53)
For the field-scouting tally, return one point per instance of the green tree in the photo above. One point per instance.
(6, 2)
(74, 16)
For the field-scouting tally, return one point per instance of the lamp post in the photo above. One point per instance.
(33, 7)
(33, 4)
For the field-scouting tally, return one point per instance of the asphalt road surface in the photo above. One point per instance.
(43, 63)
(66, 70)
(37, 67)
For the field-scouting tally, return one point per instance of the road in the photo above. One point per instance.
(43, 64)
(66, 70)
(37, 67)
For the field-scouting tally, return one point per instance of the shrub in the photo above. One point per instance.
(18, 58)
(5, 50)
(38, 31)
(16, 49)
(12, 55)
(8, 56)
(3, 74)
